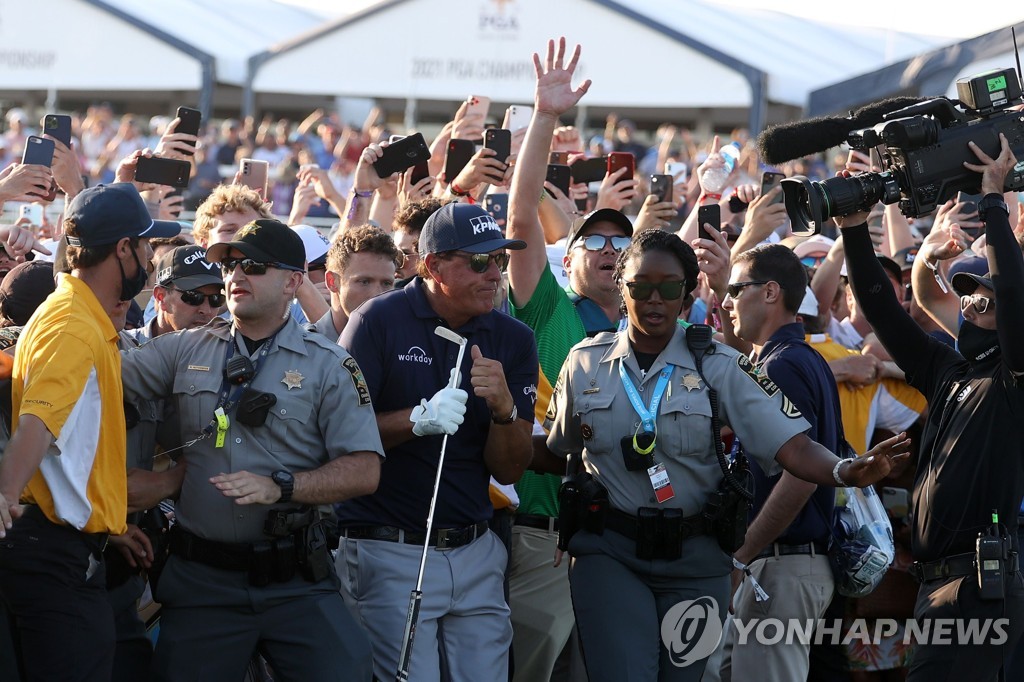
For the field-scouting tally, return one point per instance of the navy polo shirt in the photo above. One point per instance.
(403, 361)
(805, 378)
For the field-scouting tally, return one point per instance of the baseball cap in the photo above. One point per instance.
(105, 214)
(814, 244)
(964, 283)
(905, 257)
(892, 266)
(24, 289)
(972, 264)
(463, 227)
(610, 215)
(267, 241)
(314, 242)
(808, 306)
(186, 268)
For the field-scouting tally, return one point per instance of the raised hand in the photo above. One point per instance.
(554, 94)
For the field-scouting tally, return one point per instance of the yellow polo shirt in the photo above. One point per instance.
(67, 372)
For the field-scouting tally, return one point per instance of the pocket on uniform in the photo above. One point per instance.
(288, 420)
(596, 424)
(196, 395)
(686, 424)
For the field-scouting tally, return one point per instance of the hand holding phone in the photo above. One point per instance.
(500, 140)
(255, 174)
(58, 126)
(709, 214)
(661, 187)
(189, 120)
(170, 172)
(458, 156)
(617, 160)
(770, 181)
(403, 154)
(559, 176)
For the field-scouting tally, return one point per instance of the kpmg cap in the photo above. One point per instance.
(267, 241)
(24, 289)
(602, 214)
(463, 227)
(105, 214)
(186, 268)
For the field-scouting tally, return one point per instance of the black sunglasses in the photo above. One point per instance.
(597, 242)
(196, 298)
(669, 291)
(252, 267)
(479, 262)
(735, 289)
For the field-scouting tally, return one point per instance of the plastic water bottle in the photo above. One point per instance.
(714, 178)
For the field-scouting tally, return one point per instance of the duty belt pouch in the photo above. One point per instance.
(568, 512)
(648, 521)
(583, 505)
(283, 566)
(727, 508)
(671, 547)
(261, 565)
(316, 558)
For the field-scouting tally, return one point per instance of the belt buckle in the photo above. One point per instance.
(443, 538)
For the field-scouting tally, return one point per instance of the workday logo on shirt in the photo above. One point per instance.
(415, 354)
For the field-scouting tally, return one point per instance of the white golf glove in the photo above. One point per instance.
(442, 414)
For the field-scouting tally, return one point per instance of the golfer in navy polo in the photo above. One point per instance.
(488, 417)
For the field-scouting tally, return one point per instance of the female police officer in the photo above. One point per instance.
(638, 406)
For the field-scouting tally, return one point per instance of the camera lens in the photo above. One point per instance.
(810, 204)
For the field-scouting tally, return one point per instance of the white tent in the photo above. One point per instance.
(671, 54)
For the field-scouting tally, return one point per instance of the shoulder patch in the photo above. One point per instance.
(789, 409)
(552, 410)
(763, 382)
(358, 381)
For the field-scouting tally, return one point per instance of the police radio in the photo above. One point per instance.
(994, 550)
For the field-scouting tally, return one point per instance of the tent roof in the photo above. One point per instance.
(932, 73)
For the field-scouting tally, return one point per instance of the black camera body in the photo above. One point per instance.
(923, 148)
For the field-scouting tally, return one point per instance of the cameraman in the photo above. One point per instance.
(970, 458)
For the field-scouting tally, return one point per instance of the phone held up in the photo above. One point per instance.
(171, 172)
(710, 214)
(617, 160)
(402, 154)
(559, 176)
(188, 123)
(39, 152)
(770, 181)
(255, 174)
(661, 187)
(459, 154)
(58, 126)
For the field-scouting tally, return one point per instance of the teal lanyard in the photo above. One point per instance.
(647, 416)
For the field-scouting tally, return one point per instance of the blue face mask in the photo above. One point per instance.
(133, 286)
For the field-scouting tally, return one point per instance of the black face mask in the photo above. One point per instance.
(976, 344)
(132, 287)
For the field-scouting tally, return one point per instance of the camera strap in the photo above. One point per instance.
(228, 399)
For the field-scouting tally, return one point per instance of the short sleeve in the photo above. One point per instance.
(347, 419)
(563, 425)
(56, 375)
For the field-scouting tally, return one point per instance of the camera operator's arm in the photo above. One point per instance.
(897, 331)
(1005, 262)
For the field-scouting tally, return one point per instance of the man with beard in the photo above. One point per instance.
(970, 458)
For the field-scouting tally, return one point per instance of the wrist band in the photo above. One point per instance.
(457, 191)
(840, 483)
(362, 195)
(356, 196)
(709, 195)
(939, 279)
(759, 593)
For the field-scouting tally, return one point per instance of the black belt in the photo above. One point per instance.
(779, 549)
(96, 542)
(548, 523)
(626, 524)
(227, 556)
(949, 567)
(440, 538)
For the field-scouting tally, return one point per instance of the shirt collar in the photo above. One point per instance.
(785, 333)
(416, 293)
(675, 353)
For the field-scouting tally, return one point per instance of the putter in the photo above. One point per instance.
(416, 597)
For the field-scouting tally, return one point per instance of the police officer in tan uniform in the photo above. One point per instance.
(286, 424)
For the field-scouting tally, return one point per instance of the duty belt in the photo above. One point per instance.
(948, 567)
(627, 525)
(440, 538)
(227, 556)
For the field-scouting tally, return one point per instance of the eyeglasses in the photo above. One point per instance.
(479, 262)
(251, 267)
(979, 302)
(598, 242)
(812, 261)
(668, 291)
(196, 298)
(735, 289)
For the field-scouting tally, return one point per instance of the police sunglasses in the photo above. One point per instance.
(479, 262)
(597, 242)
(980, 303)
(669, 291)
(195, 298)
(252, 267)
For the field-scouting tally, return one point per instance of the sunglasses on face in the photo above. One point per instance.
(480, 262)
(812, 261)
(196, 298)
(598, 242)
(980, 303)
(668, 291)
(250, 266)
(735, 289)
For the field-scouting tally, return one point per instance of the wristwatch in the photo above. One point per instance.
(286, 482)
(992, 200)
(840, 483)
(510, 419)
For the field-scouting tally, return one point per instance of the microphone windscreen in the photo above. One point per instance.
(789, 141)
(871, 114)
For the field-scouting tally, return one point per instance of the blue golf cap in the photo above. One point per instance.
(463, 227)
(105, 214)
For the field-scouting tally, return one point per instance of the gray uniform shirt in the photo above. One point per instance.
(322, 411)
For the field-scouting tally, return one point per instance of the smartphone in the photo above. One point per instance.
(712, 215)
(458, 155)
(38, 151)
(970, 209)
(171, 172)
(34, 213)
(896, 501)
(769, 181)
(478, 104)
(559, 176)
(559, 157)
(58, 126)
(497, 205)
(617, 160)
(678, 170)
(419, 171)
(188, 123)
(661, 186)
(255, 174)
(403, 154)
(395, 138)
(589, 170)
(518, 116)
(500, 140)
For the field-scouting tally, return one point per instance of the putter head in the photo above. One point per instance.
(446, 333)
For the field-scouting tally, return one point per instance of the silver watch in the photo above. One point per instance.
(840, 483)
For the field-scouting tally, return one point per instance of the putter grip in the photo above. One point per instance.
(411, 620)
